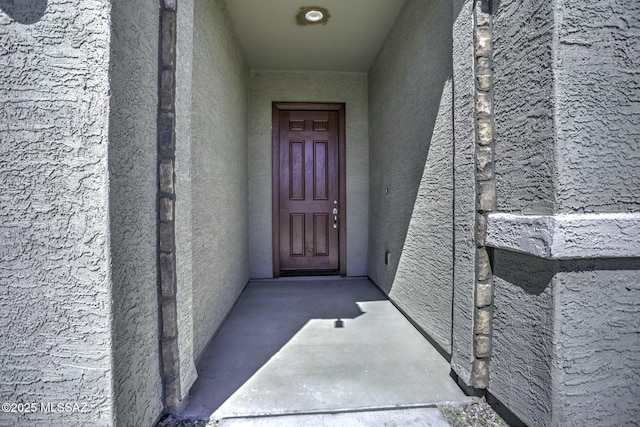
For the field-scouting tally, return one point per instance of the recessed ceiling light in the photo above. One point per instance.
(312, 15)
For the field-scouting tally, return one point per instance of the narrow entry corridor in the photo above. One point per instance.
(317, 346)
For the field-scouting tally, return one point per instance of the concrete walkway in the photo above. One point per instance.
(330, 349)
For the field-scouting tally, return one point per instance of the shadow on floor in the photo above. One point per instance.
(300, 346)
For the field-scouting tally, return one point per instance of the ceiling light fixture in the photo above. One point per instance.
(312, 15)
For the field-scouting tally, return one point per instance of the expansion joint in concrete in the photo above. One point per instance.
(485, 190)
(169, 349)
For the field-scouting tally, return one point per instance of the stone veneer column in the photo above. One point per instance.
(166, 199)
(486, 197)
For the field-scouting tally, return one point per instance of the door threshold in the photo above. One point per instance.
(309, 278)
(303, 273)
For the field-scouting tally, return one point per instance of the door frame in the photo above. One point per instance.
(277, 107)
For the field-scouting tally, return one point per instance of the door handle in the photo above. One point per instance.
(335, 217)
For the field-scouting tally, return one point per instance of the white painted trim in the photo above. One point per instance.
(566, 236)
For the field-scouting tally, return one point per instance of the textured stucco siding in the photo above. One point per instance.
(567, 133)
(132, 199)
(55, 280)
(565, 347)
(572, 236)
(523, 336)
(183, 167)
(598, 105)
(598, 160)
(523, 106)
(521, 367)
(411, 175)
(464, 267)
(220, 95)
(597, 337)
(305, 86)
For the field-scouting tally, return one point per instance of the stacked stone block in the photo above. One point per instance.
(166, 203)
(486, 188)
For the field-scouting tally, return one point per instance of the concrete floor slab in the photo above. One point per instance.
(317, 345)
(411, 417)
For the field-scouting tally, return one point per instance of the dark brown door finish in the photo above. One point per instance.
(308, 205)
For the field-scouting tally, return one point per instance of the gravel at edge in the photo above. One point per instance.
(476, 414)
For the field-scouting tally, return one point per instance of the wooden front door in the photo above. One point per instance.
(308, 198)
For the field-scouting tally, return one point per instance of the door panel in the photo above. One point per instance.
(307, 146)
(296, 234)
(321, 234)
(320, 170)
(296, 170)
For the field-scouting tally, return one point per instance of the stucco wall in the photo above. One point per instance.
(524, 130)
(598, 106)
(303, 86)
(183, 166)
(573, 141)
(523, 347)
(597, 364)
(216, 156)
(55, 279)
(464, 251)
(598, 152)
(565, 348)
(411, 166)
(132, 198)
(523, 340)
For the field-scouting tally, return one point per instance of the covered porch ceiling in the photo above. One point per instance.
(273, 40)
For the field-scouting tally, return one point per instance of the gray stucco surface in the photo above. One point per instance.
(566, 328)
(304, 86)
(523, 336)
(216, 184)
(55, 278)
(573, 236)
(183, 213)
(219, 176)
(564, 347)
(132, 183)
(598, 105)
(565, 94)
(523, 106)
(464, 249)
(411, 175)
(597, 337)
(78, 99)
